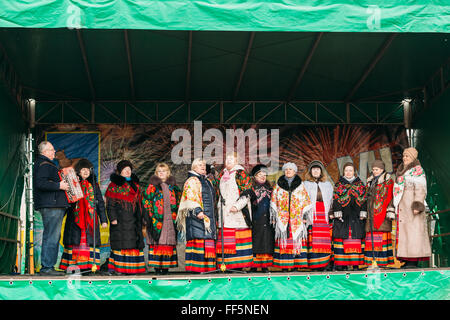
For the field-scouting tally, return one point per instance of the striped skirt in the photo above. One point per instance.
(197, 259)
(348, 252)
(160, 256)
(319, 239)
(130, 261)
(263, 260)
(72, 262)
(286, 259)
(238, 248)
(383, 249)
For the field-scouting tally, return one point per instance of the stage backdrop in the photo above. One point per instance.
(178, 145)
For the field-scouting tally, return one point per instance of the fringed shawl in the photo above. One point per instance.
(288, 206)
(326, 188)
(191, 198)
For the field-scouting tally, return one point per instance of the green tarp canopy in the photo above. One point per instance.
(232, 15)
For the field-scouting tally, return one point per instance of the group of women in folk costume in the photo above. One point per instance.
(142, 215)
(363, 216)
(233, 206)
(295, 224)
(350, 224)
(137, 215)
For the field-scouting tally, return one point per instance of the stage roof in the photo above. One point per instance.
(237, 52)
(202, 65)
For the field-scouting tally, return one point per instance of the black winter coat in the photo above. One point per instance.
(263, 233)
(127, 233)
(350, 216)
(46, 181)
(72, 232)
(195, 227)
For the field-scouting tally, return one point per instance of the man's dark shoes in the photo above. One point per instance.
(51, 273)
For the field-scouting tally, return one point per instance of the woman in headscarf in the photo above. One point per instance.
(381, 212)
(290, 210)
(236, 210)
(123, 206)
(349, 212)
(263, 233)
(320, 191)
(82, 223)
(410, 191)
(197, 219)
(160, 202)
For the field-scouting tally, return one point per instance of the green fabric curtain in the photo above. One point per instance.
(232, 15)
(12, 161)
(434, 152)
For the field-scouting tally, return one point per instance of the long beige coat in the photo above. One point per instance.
(410, 190)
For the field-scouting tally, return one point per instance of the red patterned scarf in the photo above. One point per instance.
(381, 199)
(84, 217)
(84, 210)
(345, 191)
(124, 192)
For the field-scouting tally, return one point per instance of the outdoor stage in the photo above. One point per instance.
(399, 284)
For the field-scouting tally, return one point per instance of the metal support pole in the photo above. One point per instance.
(29, 200)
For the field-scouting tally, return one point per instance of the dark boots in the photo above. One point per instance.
(410, 265)
(161, 271)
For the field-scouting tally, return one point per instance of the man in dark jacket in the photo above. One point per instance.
(50, 200)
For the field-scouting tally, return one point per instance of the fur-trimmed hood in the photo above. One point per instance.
(156, 181)
(120, 181)
(402, 169)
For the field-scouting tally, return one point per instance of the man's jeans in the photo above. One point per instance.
(52, 220)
